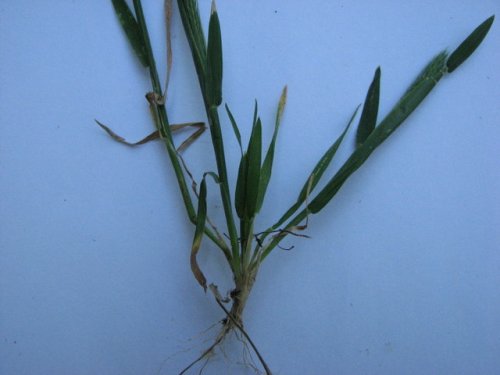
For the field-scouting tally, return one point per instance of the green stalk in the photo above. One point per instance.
(164, 128)
(218, 144)
(246, 243)
(194, 33)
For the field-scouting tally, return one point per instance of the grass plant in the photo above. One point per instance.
(243, 247)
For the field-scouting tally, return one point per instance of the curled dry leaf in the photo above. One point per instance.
(156, 134)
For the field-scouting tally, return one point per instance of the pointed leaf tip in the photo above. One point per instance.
(235, 127)
(267, 165)
(325, 161)
(281, 104)
(469, 45)
(369, 115)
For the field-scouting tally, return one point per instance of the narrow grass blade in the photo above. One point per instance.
(316, 173)
(469, 45)
(198, 235)
(235, 127)
(267, 165)
(368, 118)
(241, 187)
(254, 154)
(419, 90)
(190, 16)
(214, 60)
(132, 30)
(324, 162)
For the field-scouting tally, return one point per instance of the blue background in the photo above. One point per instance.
(401, 274)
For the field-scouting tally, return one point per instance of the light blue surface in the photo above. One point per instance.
(402, 272)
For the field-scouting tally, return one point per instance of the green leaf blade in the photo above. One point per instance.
(254, 154)
(267, 165)
(469, 45)
(132, 30)
(369, 114)
(241, 186)
(316, 174)
(324, 162)
(406, 105)
(214, 60)
(235, 127)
